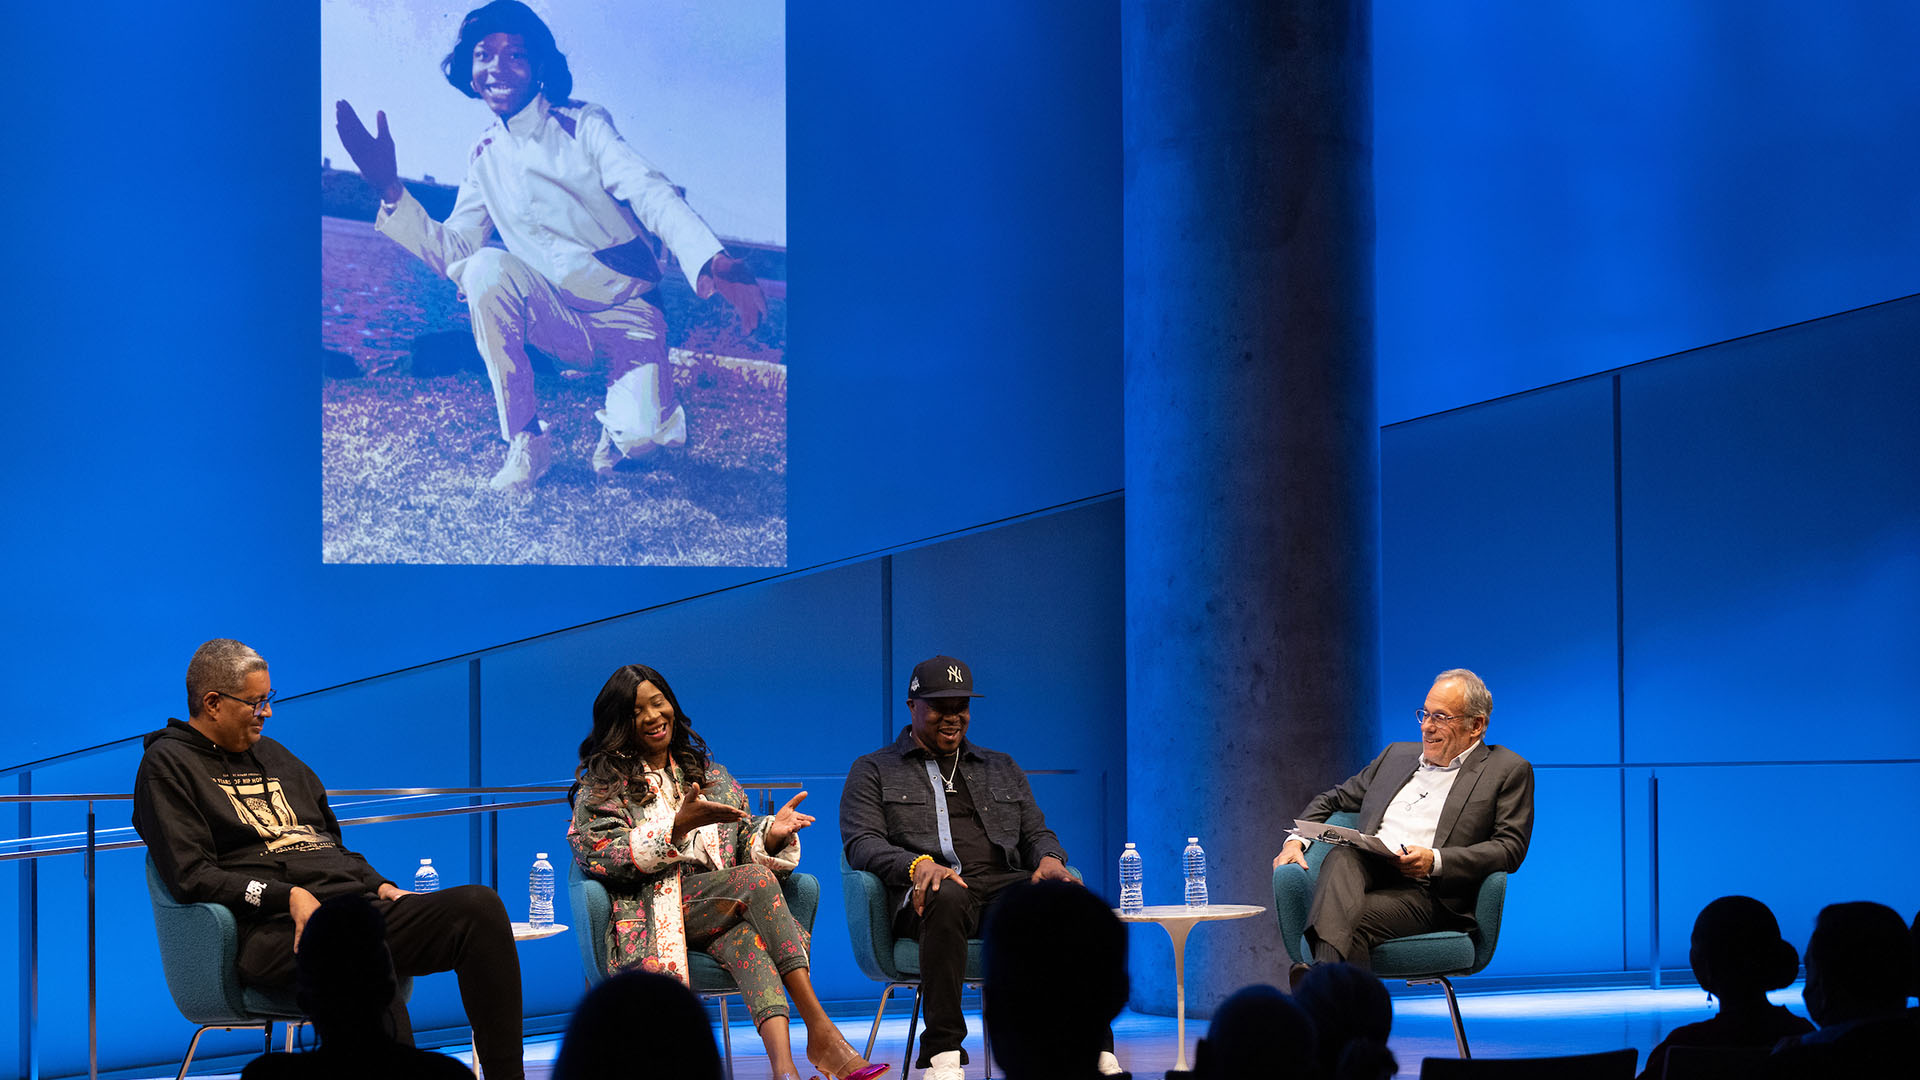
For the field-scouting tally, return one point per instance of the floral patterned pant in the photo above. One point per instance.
(739, 917)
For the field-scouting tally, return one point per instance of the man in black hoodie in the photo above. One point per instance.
(232, 817)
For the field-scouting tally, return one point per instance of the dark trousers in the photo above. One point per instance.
(1361, 900)
(951, 916)
(463, 929)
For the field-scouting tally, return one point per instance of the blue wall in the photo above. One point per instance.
(1701, 571)
(1565, 188)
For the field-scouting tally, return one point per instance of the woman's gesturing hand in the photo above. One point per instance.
(786, 822)
(371, 154)
(696, 811)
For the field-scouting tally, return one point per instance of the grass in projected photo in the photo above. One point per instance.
(409, 434)
(521, 369)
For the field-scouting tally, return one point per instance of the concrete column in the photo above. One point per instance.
(1252, 468)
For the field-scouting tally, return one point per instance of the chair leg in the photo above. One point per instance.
(986, 1041)
(1453, 1007)
(726, 1035)
(192, 1044)
(913, 1021)
(873, 1033)
(1459, 1029)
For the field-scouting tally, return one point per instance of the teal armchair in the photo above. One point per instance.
(1421, 959)
(199, 947)
(593, 910)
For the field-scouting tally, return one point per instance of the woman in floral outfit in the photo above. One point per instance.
(666, 828)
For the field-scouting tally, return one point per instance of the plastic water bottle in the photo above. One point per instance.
(540, 893)
(1131, 874)
(426, 879)
(1195, 861)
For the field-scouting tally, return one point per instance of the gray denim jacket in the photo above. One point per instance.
(887, 815)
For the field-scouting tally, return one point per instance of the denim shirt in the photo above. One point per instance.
(887, 813)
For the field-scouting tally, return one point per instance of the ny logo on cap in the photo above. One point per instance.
(914, 685)
(953, 673)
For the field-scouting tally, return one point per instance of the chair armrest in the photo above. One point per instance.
(869, 925)
(199, 946)
(803, 898)
(592, 910)
(1293, 891)
(1292, 898)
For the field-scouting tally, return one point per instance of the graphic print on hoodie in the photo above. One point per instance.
(240, 828)
(260, 802)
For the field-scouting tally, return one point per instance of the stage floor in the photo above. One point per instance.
(1498, 1025)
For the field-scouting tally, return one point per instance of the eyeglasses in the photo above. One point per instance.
(258, 707)
(1443, 719)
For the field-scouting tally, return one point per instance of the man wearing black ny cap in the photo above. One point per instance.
(947, 825)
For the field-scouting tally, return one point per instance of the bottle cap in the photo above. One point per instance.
(539, 854)
(1193, 839)
(426, 862)
(1129, 845)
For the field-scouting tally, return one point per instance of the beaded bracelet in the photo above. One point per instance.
(915, 865)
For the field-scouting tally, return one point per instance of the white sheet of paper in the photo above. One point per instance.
(1322, 833)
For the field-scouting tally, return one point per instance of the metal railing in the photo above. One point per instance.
(89, 844)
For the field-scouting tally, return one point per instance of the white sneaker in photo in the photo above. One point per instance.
(529, 456)
(1110, 1065)
(945, 1065)
(605, 454)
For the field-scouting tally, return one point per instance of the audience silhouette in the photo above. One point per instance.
(1352, 1017)
(638, 1025)
(1257, 1034)
(1859, 969)
(344, 980)
(1056, 976)
(1738, 955)
(1914, 990)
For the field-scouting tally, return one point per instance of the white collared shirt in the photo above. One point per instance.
(558, 183)
(1413, 817)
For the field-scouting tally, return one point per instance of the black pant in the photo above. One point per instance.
(463, 929)
(1362, 900)
(952, 915)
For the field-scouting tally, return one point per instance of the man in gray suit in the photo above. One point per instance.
(1454, 808)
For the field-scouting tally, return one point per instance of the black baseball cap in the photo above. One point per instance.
(941, 677)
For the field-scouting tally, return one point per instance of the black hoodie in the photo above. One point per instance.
(240, 829)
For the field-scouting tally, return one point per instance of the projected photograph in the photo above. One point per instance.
(553, 282)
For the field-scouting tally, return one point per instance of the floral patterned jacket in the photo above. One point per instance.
(630, 849)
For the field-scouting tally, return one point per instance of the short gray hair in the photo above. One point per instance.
(221, 665)
(1479, 698)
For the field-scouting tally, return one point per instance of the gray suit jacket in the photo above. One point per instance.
(1485, 825)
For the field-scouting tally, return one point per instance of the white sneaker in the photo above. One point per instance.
(605, 454)
(945, 1065)
(1110, 1065)
(529, 456)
